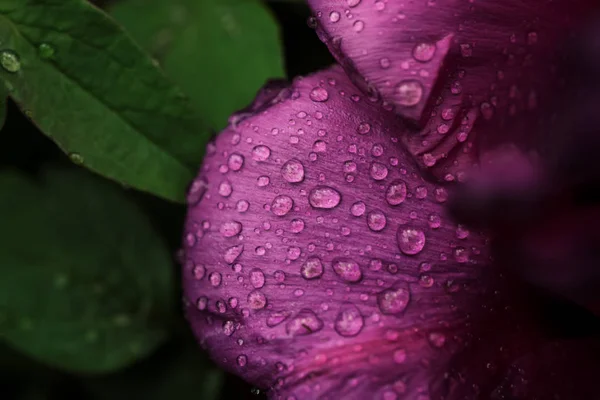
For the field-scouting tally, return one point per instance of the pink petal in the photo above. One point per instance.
(318, 263)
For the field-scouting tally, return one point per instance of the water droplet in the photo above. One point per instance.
(261, 153)
(235, 162)
(378, 171)
(242, 360)
(349, 166)
(263, 181)
(293, 171)
(353, 3)
(320, 146)
(396, 193)
(232, 253)
(282, 205)
(466, 50)
(312, 268)
(384, 63)
(349, 321)
(293, 253)
(257, 278)
(324, 197)
(225, 189)
(376, 220)
(424, 52)
(434, 221)
(409, 93)
(358, 26)
(230, 228)
(242, 206)
(358, 209)
(297, 225)
(347, 269)
(410, 241)
(462, 232)
(334, 16)
(46, 51)
(215, 279)
(319, 94)
(76, 158)
(304, 323)
(10, 61)
(364, 128)
(393, 300)
(256, 300)
(228, 328)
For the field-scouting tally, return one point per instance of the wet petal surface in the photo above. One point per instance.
(469, 73)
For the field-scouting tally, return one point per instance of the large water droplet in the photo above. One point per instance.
(334, 17)
(304, 323)
(324, 197)
(215, 279)
(349, 321)
(347, 269)
(10, 61)
(358, 209)
(257, 278)
(297, 225)
(410, 241)
(261, 153)
(293, 171)
(376, 220)
(409, 93)
(312, 268)
(282, 205)
(257, 300)
(319, 94)
(235, 162)
(378, 171)
(424, 52)
(231, 228)
(228, 328)
(396, 193)
(393, 300)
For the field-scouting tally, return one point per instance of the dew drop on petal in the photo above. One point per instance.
(349, 321)
(347, 269)
(312, 268)
(357, 209)
(235, 162)
(376, 220)
(261, 153)
(319, 94)
(256, 300)
(242, 360)
(410, 240)
(232, 253)
(257, 278)
(424, 52)
(378, 171)
(396, 193)
(393, 300)
(277, 318)
(409, 93)
(225, 189)
(297, 225)
(282, 205)
(230, 228)
(324, 197)
(293, 171)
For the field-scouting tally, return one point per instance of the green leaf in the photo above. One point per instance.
(3, 105)
(86, 283)
(220, 51)
(91, 89)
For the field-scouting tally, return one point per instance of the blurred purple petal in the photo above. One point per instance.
(470, 73)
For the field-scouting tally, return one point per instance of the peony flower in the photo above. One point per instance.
(321, 259)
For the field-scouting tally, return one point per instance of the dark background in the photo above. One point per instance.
(24, 147)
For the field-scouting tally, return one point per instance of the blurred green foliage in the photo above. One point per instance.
(89, 295)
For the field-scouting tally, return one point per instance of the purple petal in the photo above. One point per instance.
(318, 262)
(470, 73)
